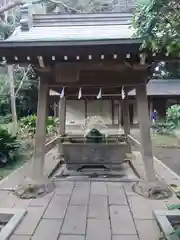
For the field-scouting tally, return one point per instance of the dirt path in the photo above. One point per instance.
(169, 156)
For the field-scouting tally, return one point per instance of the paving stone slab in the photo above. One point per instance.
(98, 229)
(30, 221)
(98, 188)
(75, 220)
(121, 220)
(57, 207)
(142, 208)
(42, 201)
(64, 188)
(115, 184)
(98, 207)
(116, 195)
(3, 194)
(148, 229)
(125, 237)
(22, 203)
(48, 229)
(128, 189)
(20, 237)
(9, 200)
(80, 195)
(71, 237)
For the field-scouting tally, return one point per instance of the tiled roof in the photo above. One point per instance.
(79, 27)
(161, 87)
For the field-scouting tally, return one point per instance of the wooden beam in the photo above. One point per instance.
(87, 66)
(51, 144)
(134, 142)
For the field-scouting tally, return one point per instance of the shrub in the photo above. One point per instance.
(29, 123)
(52, 123)
(173, 116)
(162, 127)
(8, 147)
(5, 119)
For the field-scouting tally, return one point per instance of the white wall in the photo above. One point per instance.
(75, 112)
(100, 108)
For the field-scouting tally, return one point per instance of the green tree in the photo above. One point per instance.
(25, 88)
(157, 22)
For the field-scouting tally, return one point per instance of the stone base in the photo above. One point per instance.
(156, 190)
(33, 189)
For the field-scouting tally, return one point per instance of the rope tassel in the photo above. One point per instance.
(80, 94)
(99, 94)
(62, 93)
(122, 93)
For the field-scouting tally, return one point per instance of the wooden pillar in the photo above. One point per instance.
(120, 114)
(62, 122)
(134, 113)
(126, 120)
(55, 109)
(144, 125)
(150, 108)
(85, 103)
(112, 110)
(39, 152)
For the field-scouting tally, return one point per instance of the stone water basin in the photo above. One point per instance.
(80, 154)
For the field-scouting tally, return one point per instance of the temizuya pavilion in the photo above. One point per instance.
(91, 51)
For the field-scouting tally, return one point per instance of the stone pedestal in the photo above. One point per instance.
(33, 188)
(155, 190)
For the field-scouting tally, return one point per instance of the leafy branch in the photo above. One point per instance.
(25, 73)
(157, 23)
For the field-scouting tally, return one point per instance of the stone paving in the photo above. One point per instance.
(87, 211)
(78, 210)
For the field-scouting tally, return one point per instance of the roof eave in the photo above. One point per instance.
(55, 42)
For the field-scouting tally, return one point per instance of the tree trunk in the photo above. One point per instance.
(10, 6)
(13, 98)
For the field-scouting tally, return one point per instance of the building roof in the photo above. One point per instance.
(78, 27)
(161, 87)
(70, 37)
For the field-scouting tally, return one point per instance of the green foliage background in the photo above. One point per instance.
(26, 99)
(157, 22)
